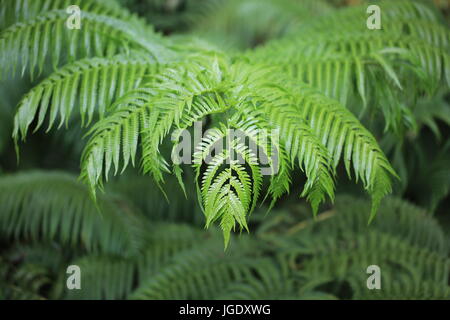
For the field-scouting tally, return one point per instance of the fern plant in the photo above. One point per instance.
(134, 90)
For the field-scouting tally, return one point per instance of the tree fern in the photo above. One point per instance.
(150, 109)
(181, 94)
(168, 89)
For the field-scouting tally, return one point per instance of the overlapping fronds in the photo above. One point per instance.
(46, 206)
(194, 274)
(407, 272)
(408, 246)
(174, 97)
(344, 137)
(146, 94)
(242, 99)
(332, 127)
(386, 68)
(182, 262)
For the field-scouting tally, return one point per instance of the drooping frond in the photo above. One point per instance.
(345, 138)
(92, 84)
(241, 98)
(149, 93)
(53, 206)
(114, 137)
(307, 118)
(228, 194)
(301, 144)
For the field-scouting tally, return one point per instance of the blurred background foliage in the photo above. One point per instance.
(143, 247)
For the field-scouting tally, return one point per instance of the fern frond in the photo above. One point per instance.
(31, 42)
(116, 276)
(401, 59)
(240, 96)
(301, 145)
(170, 102)
(419, 274)
(346, 138)
(355, 17)
(91, 83)
(332, 127)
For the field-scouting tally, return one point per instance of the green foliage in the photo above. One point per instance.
(420, 154)
(40, 206)
(408, 246)
(384, 69)
(233, 24)
(23, 10)
(312, 102)
(166, 90)
(323, 259)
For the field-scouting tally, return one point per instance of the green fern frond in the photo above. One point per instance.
(167, 92)
(336, 130)
(90, 83)
(31, 42)
(346, 138)
(116, 276)
(419, 273)
(401, 57)
(240, 97)
(113, 135)
(355, 17)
